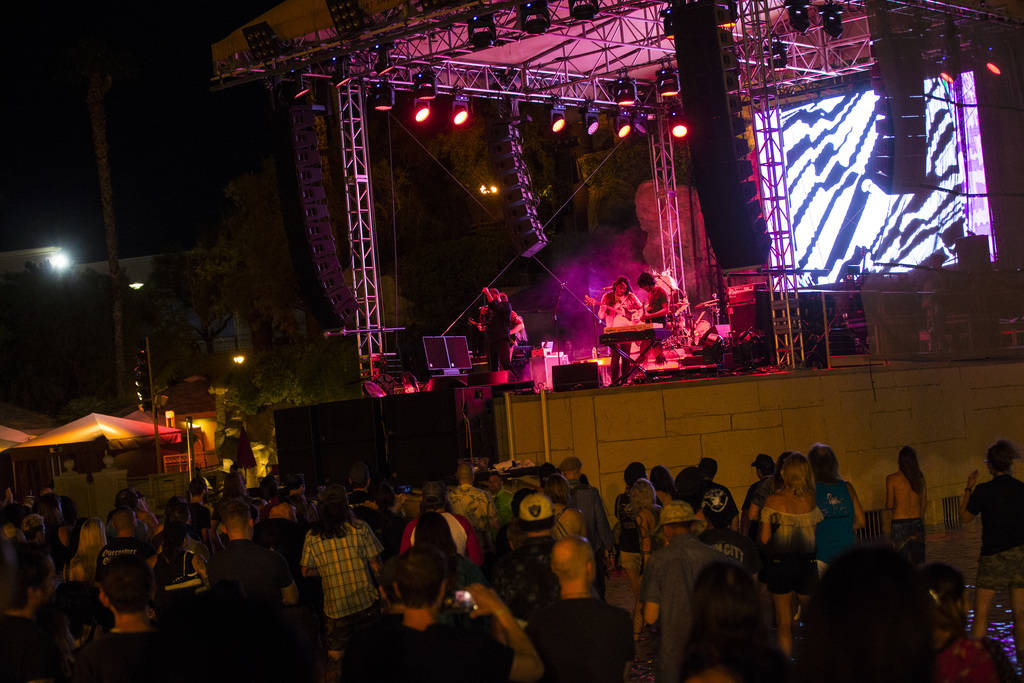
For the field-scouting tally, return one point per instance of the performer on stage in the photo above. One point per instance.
(657, 309)
(619, 306)
(496, 330)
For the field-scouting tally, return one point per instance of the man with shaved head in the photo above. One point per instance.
(580, 637)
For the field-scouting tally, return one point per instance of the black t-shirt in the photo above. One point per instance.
(499, 320)
(122, 547)
(735, 546)
(261, 573)
(719, 506)
(118, 658)
(657, 299)
(582, 640)
(284, 536)
(389, 651)
(1000, 503)
(201, 518)
(27, 653)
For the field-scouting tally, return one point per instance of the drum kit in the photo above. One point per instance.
(689, 323)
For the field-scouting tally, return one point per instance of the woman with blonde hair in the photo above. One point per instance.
(788, 522)
(568, 520)
(643, 509)
(91, 539)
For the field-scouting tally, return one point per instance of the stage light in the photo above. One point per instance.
(993, 68)
(423, 85)
(947, 77)
(832, 19)
(534, 16)
(593, 120)
(623, 125)
(558, 118)
(667, 82)
(640, 121)
(381, 96)
(778, 51)
(421, 111)
(624, 91)
(347, 15)
(238, 359)
(798, 18)
(305, 85)
(669, 21)
(677, 125)
(481, 30)
(137, 285)
(383, 63)
(583, 9)
(460, 110)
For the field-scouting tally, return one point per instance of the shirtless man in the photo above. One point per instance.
(905, 499)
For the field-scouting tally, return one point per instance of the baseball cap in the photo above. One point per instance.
(679, 512)
(763, 463)
(536, 507)
(435, 493)
(571, 463)
(708, 467)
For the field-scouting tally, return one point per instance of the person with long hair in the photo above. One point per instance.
(619, 306)
(906, 496)
(91, 539)
(568, 520)
(343, 551)
(788, 523)
(729, 636)
(838, 502)
(663, 483)
(959, 658)
(643, 508)
(177, 569)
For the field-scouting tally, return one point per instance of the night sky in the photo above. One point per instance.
(173, 143)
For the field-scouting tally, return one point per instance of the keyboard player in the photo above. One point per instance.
(619, 306)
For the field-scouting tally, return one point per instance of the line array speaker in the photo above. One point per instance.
(505, 145)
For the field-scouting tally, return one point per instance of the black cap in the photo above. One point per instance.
(763, 463)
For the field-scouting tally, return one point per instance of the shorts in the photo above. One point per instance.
(337, 632)
(1002, 570)
(631, 561)
(908, 538)
(796, 573)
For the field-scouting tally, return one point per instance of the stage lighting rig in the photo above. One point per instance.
(347, 15)
(557, 118)
(667, 82)
(677, 124)
(424, 86)
(624, 91)
(534, 16)
(777, 48)
(832, 19)
(798, 17)
(421, 110)
(262, 41)
(583, 10)
(481, 31)
(593, 120)
(382, 64)
(460, 110)
(640, 121)
(668, 20)
(623, 124)
(381, 96)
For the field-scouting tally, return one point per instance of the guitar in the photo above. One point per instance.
(614, 316)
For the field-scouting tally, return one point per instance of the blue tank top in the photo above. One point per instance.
(835, 533)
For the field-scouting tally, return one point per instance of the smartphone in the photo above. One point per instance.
(403, 488)
(463, 602)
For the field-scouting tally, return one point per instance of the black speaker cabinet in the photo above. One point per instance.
(575, 376)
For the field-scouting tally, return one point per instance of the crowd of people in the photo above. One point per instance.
(500, 580)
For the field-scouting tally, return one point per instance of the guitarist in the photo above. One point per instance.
(619, 306)
(497, 326)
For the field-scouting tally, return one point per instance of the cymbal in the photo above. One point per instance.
(707, 304)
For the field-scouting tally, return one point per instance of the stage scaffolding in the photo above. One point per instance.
(663, 170)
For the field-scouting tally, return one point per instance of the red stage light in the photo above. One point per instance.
(679, 130)
(460, 117)
(994, 68)
(592, 127)
(422, 112)
(558, 124)
(946, 77)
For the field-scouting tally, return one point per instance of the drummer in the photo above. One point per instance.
(657, 309)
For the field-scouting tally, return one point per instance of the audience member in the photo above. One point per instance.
(343, 551)
(476, 505)
(91, 540)
(33, 528)
(634, 470)
(435, 499)
(960, 659)
(510, 536)
(870, 620)
(716, 500)
(689, 486)
(177, 568)
(198, 512)
(579, 638)
(906, 498)
(663, 483)
(730, 639)
(418, 648)
(502, 497)
(587, 500)
(136, 502)
(523, 578)
(839, 505)
(125, 543)
(358, 483)
(261, 574)
(178, 510)
(644, 509)
(58, 534)
(568, 520)
(294, 489)
(390, 504)
(27, 652)
(8, 572)
(669, 578)
(723, 537)
(433, 529)
(282, 533)
(1000, 502)
(128, 652)
(788, 522)
(757, 494)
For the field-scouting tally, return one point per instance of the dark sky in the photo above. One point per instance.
(173, 143)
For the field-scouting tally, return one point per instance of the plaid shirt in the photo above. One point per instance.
(343, 565)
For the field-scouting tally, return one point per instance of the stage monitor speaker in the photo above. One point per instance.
(575, 376)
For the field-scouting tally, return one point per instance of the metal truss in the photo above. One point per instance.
(663, 171)
(355, 157)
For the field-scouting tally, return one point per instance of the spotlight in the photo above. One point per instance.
(640, 122)
(347, 15)
(668, 82)
(59, 261)
(677, 125)
(481, 31)
(798, 18)
(624, 91)
(383, 63)
(558, 118)
(669, 21)
(534, 16)
(421, 110)
(832, 19)
(993, 68)
(593, 120)
(381, 96)
(583, 10)
(423, 86)
(623, 125)
(460, 110)
(305, 85)
(778, 51)
(947, 77)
